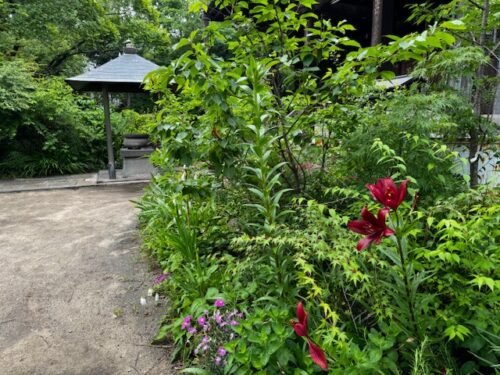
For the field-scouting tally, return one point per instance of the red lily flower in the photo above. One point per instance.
(300, 328)
(386, 192)
(317, 355)
(373, 227)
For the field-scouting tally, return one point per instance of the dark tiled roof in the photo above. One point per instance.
(397, 81)
(125, 74)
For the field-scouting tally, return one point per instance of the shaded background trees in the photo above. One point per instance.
(45, 127)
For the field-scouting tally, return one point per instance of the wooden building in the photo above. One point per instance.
(372, 18)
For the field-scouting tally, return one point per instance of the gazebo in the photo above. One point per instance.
(123, 74)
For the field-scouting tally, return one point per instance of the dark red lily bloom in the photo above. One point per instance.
(300, 328)
(374, 228)
(317, 355)
(386, 192)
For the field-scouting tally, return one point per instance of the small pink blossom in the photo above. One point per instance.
(160, 278)
(218, 317)
(186, 322)
(219, 303)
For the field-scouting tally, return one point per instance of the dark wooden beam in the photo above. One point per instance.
(109, 134)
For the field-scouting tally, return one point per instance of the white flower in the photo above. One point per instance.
(143, 301)
(157, 297)
(150, 292)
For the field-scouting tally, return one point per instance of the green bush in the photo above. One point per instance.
(265, 156)
(405, 134)
(47, 129)
(356, 300)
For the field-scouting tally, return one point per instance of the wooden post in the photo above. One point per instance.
(109, 135)
(377, 21)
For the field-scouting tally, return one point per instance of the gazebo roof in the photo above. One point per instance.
(397, 81)
(123, 74)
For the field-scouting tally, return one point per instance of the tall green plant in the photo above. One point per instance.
(211, 79)
(264, 179)
(465, 67)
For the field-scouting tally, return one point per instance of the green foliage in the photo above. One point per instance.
(271, 122)
(464, 67)
(62, 36)
(137, 123)
(463, 255)
(265, 343)
(16, 88)
(269, 73)
(264, 179)
(46, 128)
(184, 229)
(417, 149)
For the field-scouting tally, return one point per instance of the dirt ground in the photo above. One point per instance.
(71, 278)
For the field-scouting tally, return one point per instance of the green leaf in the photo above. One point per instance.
(458, 331)
(375, 355)
(445, 37)
(161, 335)
(212, 293)
(454, 25)
(351, 43)
(308, 59)
(387, 75)
(197, 6)
(483, 280)
(257, 192)
(183, 42)
(308, 3)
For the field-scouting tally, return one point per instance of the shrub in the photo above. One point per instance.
(48, 129)
(265, 156)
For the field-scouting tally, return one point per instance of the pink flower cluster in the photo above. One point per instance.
(161, 278)
(211, 331)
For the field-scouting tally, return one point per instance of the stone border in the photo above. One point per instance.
(68, 182)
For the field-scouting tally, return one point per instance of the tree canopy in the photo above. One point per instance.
(42, 42)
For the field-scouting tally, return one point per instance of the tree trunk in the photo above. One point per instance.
(496, 103)
(478, 97)
(377, 21)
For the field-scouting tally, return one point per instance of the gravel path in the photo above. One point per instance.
(71, 276)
